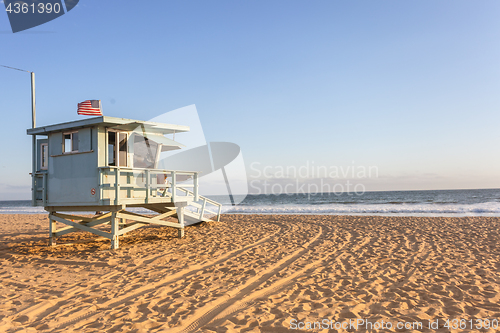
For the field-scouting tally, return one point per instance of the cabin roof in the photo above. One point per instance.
(111, 122)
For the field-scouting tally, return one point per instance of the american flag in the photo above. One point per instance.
(90, 108)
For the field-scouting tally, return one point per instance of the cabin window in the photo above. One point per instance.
(117, 149)
(145, 152)
(44, 156)
(111, 148)
(70, 143)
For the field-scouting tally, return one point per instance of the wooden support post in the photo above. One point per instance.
(180, 217)
(218, 213)
(52, 230)
(114, 231)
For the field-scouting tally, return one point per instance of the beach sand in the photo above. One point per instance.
(253, 273)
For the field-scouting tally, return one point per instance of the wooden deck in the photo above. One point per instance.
(165, 193)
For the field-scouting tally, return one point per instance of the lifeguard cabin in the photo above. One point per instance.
(108, 165)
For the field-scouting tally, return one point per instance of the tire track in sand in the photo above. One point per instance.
(278, 286)
(205, 314)
(95, 310)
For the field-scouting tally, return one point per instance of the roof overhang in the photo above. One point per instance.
(166, 143)
(111, 122)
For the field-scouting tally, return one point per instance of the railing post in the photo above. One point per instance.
(203, 208)
(100, 181)
(129, 181)
(195, 189)
(174, 186)
(117, 186)
(148, 185)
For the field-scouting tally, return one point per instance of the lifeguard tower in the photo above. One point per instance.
(109, 165)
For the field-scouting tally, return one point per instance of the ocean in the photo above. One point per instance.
(484, 202)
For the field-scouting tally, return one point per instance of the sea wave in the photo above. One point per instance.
(22, 210)
(394, 208)
(480, 209)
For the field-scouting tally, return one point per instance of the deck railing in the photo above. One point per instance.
(122, 185)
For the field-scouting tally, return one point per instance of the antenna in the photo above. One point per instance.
(33, 125)
(33, 108)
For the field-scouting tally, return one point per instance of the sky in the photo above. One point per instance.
(411, 87)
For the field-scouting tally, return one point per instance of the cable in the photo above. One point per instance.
(22, 70)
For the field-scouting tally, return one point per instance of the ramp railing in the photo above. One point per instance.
(203, 205)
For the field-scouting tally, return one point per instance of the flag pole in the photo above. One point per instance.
(33, 107)
(33, 142)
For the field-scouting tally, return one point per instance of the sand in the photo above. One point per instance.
(254, 273)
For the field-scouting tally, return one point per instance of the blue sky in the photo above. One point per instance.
(412, 87)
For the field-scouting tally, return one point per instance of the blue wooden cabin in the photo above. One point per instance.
(107, 165)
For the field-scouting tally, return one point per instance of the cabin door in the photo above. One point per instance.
(42, 155)
(117, 148)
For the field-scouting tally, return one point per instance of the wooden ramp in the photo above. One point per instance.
(203, 210)
(190, 216)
